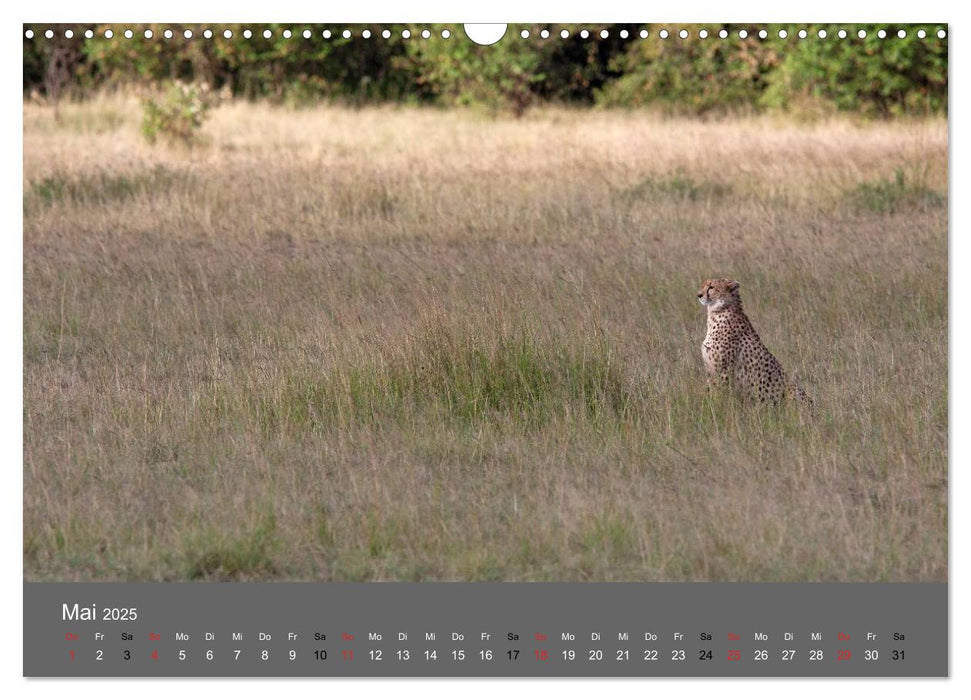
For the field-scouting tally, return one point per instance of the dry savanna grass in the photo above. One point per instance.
(404, 344)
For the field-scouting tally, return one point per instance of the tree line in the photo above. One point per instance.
(872, 75)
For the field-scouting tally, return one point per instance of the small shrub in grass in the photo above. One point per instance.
(179, 115)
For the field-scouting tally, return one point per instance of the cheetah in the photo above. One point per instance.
(734, 353)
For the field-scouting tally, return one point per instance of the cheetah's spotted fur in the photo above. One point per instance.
(734, 353)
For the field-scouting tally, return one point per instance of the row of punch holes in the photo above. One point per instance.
(525, 33)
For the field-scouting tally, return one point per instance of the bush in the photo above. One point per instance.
(460, 72)
(296, 69)
(179, 115)
(692, 75)
(872, 76)
(879, 77)
(515, 73)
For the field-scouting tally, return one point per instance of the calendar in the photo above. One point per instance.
(485, 350)
(649, 630)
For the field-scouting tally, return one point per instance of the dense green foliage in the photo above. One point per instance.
(881, 76)
(178, 116)
(693, 75)
(884, 77)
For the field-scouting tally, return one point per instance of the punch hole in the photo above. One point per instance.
(643, 34)
(386, 34)
(723, 34)
(346, 33)
(326, 34)
(89, 34)
(168, 34)
(228, 34)
(783, 34)
(763, 34)
(683, 34)
(821, 33)
(742, 34)
(287, 34)
(446, 34)
(267, 33)
(803, 33)
(69, 34)
(524, 34)
(109, 33)
(941, 34)
(485, 34)
(207, 34)
(604, 33)
(29, 34)
(861, 34)
(882, 33)
(187, 33)
(366, 33)
(128, 33)
(148, 34)
(545, 34)
(624, 34)
(921, 34)
(247, 34)
(703, 34)
(564, 34)
(584, 34)
(841, 33)
(663, 33)
(425, 34)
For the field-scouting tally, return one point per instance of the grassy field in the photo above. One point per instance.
(421, 345)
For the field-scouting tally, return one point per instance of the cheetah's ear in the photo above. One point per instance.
(733, 286)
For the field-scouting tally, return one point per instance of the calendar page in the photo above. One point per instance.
(509, 350)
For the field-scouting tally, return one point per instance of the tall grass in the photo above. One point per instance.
(399, 344)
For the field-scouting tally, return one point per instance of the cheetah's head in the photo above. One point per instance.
(718, 294)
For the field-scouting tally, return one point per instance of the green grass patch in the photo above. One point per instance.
(895, 194)
(102, 187)
(609, 535)
(217, 556)
(514, 378)
(677, 186)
